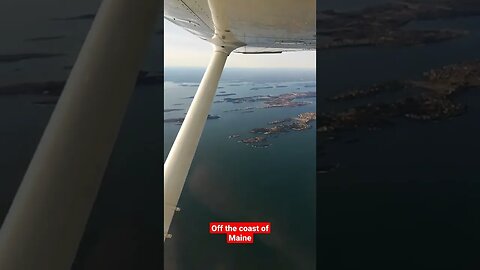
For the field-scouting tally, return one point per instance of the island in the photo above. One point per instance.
(45, 38)
(274, 101)
(11, 58)
(89, 16)
(171, 110)
(430, 98)
(386, 24)
(180, 120)
(299, 123)
(55, 88)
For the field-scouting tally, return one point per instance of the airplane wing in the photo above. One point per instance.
(248, 27)
(264, 26)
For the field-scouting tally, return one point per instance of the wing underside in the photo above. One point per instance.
(266, 26)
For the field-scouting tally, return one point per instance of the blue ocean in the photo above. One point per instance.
(232, 181)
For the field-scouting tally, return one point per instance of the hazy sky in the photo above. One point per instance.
(185, 49)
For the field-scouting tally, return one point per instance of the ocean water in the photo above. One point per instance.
(231, 181)
(405, 197)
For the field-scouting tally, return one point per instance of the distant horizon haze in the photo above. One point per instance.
(183, 49)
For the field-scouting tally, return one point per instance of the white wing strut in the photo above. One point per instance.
(181, 154)
(45, 223)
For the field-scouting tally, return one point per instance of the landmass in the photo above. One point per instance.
(370, 91)
(180, 120)
(430, 98)
(75, 18)
(51, 88)
(386, 24)
(45, 38)
(172, 110)
(275, 101)
(54, 88)
(222, 94)
(261, 87)
(46, 102)
(299, 123)
(239, 109)
(149, 78)
(11, 58)
(287, 100)
(327, 168)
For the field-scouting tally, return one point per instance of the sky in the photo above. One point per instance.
(183, 49)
